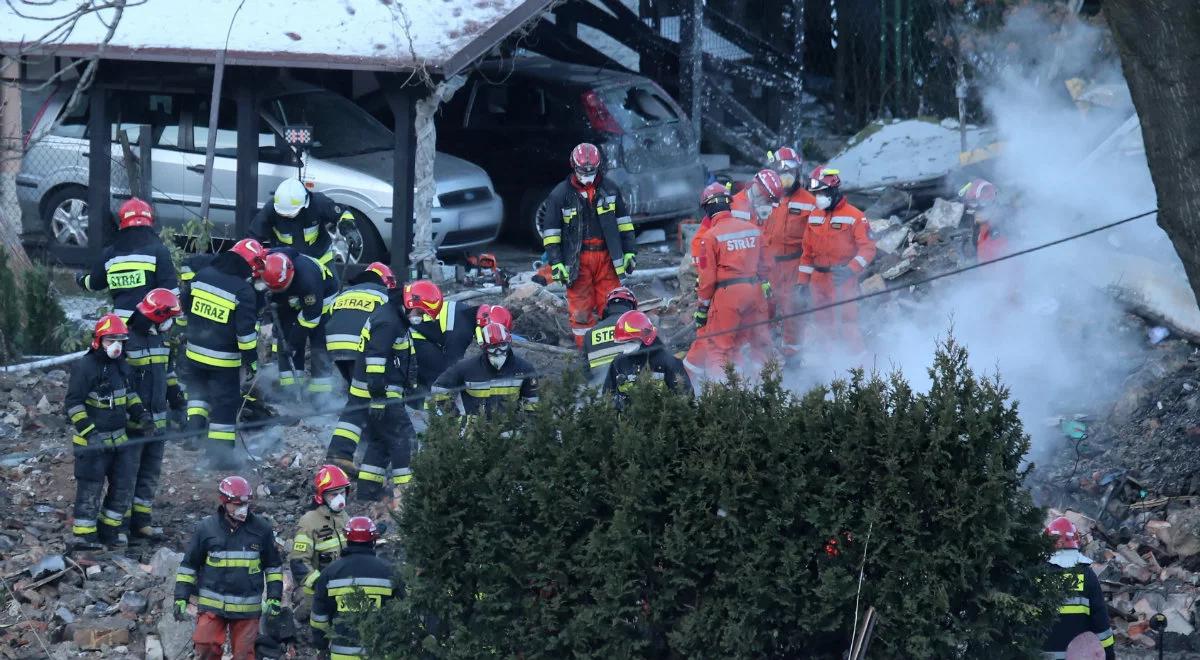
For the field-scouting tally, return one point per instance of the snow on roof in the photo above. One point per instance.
(445, 35)
(914, 149)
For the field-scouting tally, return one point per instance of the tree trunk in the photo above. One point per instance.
(1159, 41)
(10, 164)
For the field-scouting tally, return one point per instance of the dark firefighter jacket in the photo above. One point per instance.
(1084, 609)
(135, 263)
(222, 314)
(600, 346)
(483, 389)
(146, 352)
(349, 314)
(306, 232)
(664, 368)
(441, 342)
(187, 272)
(225, 568)
(99, 400)
(319, 542)
(381, 371)
(568, 217)
(358, 580)
(313, 288)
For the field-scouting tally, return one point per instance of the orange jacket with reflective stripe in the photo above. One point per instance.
(742, 209)
(731, 249)
(836, 237)
(784, 232)
(697, 240)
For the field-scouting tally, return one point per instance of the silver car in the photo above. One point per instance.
(351, 161)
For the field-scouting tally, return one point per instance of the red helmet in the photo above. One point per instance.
(278, 271)
(159, 305)
(235, 490)
(714, 192)
(135, 213)
(768, 185)
(1064, 532)
(361, 529)
(977, 193)
(823, 178)
(787, 163)
(384, 272)
(635, 326)
(621, 293)
(329, 477)
(495, 337)
(254, 254)
(109, 325)
(494, 314)
(423, 296)
(585, 160)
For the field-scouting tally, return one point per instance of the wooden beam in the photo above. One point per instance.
(403, 102)
(246, 193)
(99, 167)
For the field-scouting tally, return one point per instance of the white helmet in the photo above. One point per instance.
(290, 197)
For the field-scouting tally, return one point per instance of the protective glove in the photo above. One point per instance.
(146, 422)
(843, 274)
(180, 610)
(630, 262)
(560, 273)
(766, 289)
(273, 606)
(81, 280)
(701, 316)
(377, 411)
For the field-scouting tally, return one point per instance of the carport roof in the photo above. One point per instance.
(390, 35)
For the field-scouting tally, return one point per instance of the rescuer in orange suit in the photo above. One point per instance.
(714, 196)
(979, 197)
(732, 288)
(836, 251)
(756, 201)
(783, 237)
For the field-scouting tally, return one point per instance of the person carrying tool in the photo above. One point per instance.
(374, 411)
(588, 236)
(222, 337)
(442, 330)
(635, 330)
(99, 403)
(136, 262)
(319, 540)
(299, 218)
(481, 384)
(359, 574)
(1084, 609)
(302, 291)
(600, 345)
(147, 355)
(837, 248)
(368, 291)
(231, 557)
(783, 246)
(732, 293)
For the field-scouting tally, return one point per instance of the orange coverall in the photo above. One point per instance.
(741, 208)
(836, 237)
(730, 280)
(697, 356)
(784, 238)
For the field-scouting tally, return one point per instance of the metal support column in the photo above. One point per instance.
(691, 61)
(247, 152)
(403, 101)
(99, 169)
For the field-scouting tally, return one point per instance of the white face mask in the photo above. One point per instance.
(788, 179)
(497, 361)
(166, 325)
(337, 502)
(239, 513)
(586, 179)
(114, 349)
(763, 210)
(823, 201)
(414, 319)
(260, 286)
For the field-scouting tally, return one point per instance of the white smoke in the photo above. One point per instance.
(1043, 321)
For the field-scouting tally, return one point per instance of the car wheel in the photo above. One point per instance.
(65, 216)
(357, 241)
(527, 229)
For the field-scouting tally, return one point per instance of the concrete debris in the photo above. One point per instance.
(892, 200)
(878, 227)
(893, 241)
(132, 603)
(899, 269)
(943, 214)
(873, 284)
(1157, 334)
(100, 633)
(47, 566)
(154, 648)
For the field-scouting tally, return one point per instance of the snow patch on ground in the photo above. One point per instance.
(886, 153)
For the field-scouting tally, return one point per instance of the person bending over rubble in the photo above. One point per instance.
(637, 336)
(481, 384)
(600, 345)
(442, 331)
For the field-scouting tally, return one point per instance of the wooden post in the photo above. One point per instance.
(99, 168)
(691, 61)
(145, 165)
(403, 102)
(214, 104)
(246, 193)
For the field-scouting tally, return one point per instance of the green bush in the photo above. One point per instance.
(45, 321)
(10, 312)
(704, 529)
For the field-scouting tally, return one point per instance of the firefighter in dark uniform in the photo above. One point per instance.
(635, 329)
(222, 337)
(298, 218)
(374, 411)
(99, 403)
(483, 383)
(442, 330)
(302, 291)
(231, 557)
(358, 579)
(588, 236)
(485, 314)
(319, 539)
(136, 262)
(147, 354)
(367, 292)
(599, 344)
(1084, 609)
(175, 340)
